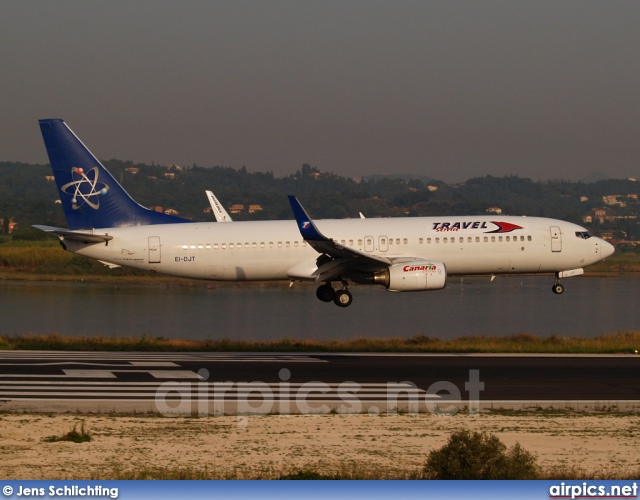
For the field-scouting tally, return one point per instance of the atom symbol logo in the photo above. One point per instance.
(81, 184)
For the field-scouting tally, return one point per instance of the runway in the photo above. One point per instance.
(262, 383)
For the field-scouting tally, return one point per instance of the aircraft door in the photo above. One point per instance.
(556, 239)
(154, 250)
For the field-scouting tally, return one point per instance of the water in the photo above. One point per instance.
(469, 306)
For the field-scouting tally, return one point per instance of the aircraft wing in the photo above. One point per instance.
(68, 234)
(339, 257)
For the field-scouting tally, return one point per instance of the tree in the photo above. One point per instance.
(479, 455)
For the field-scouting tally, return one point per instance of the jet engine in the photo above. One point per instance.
(415, 276)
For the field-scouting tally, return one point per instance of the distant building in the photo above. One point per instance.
(255, 208)
(584, 198)
(169, 175)
(49, 178)
(157, 209)
(133, 170)
(432, 188)
(171, 211)
(236, 209)
(494, 210)
(587, 219)
(612, 200)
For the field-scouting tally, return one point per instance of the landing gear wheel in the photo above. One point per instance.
(325, 293)
(343, 298)
(557, 288)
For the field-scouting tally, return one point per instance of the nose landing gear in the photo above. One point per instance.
(557, 288)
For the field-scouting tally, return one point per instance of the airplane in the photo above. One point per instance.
(401, 254)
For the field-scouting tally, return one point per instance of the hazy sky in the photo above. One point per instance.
(449, 89)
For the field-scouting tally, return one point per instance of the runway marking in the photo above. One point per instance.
(66, 363)
(162, 374)
(181, 374)
(214, 391)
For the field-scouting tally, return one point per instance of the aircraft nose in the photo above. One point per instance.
(606, 249)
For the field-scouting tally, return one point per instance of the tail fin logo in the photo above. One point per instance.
(85, 188)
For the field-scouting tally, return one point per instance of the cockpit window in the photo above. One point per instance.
(585, 235)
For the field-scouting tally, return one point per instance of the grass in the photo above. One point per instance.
(617, 343)
(75, 435)
(340, 471)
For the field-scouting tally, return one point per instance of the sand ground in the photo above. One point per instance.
(266, 446)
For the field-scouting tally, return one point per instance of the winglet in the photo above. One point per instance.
(307, 228)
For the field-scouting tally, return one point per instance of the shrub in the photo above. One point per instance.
(479, 456)
(74, 435)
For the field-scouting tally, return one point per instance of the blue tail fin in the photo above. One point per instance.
(90, 196)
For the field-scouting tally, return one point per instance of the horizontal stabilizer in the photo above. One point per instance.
(84, 237)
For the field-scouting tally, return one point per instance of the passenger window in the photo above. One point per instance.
(223, 246)
(295, 243)
(477, 239)
(271, 244)
(350, 243)
(445, 240)
(528, 238)
(184, 247)
(493, 239)
(360, 242)
(390, 241)
(200, 247)
(262, 244)
(287, 244)
(499, 238)
(508, 238)
(279, 244)
(405, 241)
(461, 239)
(437, 240)
(469, 239)
(254, 245)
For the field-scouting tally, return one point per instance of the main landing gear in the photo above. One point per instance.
(342, 298)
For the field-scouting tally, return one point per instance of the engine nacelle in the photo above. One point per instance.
(414, 277)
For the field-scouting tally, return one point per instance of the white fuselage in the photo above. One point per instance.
(275, 250)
